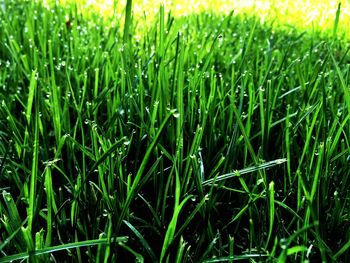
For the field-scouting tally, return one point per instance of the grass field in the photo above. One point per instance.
(211, 137)
(310, 15)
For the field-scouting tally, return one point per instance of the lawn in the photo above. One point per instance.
(205, 137)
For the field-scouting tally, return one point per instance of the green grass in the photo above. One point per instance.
(204, 138)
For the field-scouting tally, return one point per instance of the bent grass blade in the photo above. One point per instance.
(247, 170)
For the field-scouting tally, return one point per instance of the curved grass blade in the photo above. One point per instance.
(250, 169)
(106, 154)
(48, 250)
(142, 240)
(342, 250)
(237, 258)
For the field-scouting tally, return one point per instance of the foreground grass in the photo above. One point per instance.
(207, 139)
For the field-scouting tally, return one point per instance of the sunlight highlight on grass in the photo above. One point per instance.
(310, 14)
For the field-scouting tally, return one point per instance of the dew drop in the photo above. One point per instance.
(284, 243)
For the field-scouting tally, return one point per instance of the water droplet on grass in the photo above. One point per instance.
(284, 243)
(176, 114)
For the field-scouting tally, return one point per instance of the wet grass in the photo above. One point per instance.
(206, 138)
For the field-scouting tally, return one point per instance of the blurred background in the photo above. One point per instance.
(304, 14)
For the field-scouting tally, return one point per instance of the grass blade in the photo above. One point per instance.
(53, 249)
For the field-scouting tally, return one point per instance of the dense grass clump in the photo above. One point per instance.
(201, 139)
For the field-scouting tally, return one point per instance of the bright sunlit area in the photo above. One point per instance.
(304, 14)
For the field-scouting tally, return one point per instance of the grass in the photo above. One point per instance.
(205, 138)
(310, 15)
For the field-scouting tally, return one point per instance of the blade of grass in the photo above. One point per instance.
(68, 246)
(336, 21)
(271, 210)
(250, 169)
(35, 169)
(142, 240)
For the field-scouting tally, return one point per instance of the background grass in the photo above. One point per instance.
(206, 138)
(310, 15)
